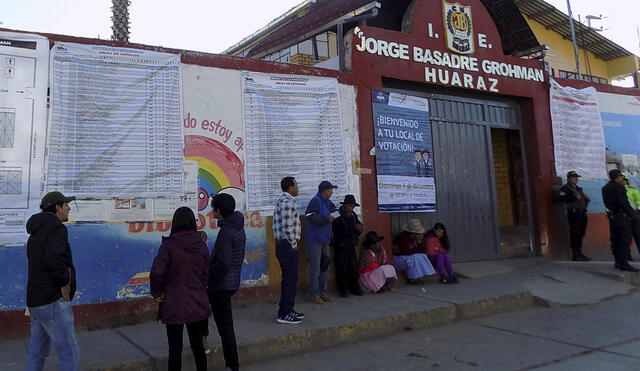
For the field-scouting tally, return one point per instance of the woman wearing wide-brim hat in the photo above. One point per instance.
(376, 271)
(409, 254)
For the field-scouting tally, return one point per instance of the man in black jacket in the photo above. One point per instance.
(225, 265)
(51, 285)
(577, 202)
(619, 212)
(346, 234)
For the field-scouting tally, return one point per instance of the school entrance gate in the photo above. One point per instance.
(482, 195)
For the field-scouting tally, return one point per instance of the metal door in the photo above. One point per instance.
(464, 190)
(465, 182)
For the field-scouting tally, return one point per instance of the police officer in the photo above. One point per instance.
(619, 213)
(577, 203)
(633, 195)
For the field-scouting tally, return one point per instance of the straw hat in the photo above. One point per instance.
(413, 226)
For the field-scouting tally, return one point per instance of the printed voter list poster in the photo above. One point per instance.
(404, 162)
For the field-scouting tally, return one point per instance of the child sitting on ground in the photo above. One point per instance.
(437, 247)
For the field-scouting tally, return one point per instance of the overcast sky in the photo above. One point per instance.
(214, 25)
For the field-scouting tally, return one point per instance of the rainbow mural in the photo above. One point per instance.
(218, 167)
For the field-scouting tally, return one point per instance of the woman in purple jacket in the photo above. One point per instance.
(179, 277)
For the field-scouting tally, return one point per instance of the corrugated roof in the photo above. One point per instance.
(514, 30)
(557, 21)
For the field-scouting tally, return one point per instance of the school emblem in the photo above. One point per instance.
(458, 27)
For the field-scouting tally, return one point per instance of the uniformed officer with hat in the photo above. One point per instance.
(619, 213)
(577, 203)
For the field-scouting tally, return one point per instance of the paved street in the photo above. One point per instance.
(598, 337)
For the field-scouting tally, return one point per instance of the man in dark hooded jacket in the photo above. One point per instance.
(51, 285)
(225, 265)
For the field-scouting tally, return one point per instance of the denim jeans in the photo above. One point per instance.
(317, 277)
(53, 323)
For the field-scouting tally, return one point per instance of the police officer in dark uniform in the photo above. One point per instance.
(619, 213)
(577, 203)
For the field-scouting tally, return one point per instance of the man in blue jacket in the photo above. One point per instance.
(318, 237)
(225, 264)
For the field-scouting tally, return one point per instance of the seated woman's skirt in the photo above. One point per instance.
(416, 265)
(373, 281)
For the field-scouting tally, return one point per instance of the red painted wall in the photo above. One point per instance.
(370, 70)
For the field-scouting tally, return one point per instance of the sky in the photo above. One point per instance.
(214, 25)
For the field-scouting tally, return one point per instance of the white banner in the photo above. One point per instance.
(23, 113)
(115, 123)
(578, 140)
(292, 128)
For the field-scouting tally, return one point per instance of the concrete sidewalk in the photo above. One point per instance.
(489, 287)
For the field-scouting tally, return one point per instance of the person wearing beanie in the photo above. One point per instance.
(619, 213)
(577, 201)
(225, 265)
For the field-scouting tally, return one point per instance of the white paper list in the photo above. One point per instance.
(115, 128)
(292, 128)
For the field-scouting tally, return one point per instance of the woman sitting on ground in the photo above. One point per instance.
(376, 272)
(409, 255)
(438, 245)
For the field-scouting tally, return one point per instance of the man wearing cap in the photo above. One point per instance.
(619, 213)
(347, 229)
(318, 238)
(577, 203)
(51, 285)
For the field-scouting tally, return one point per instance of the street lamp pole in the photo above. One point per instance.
(573, 39)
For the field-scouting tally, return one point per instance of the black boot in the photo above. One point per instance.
(454, 279)
(585, 258)
(444, 279)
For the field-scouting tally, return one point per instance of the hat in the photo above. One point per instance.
(350, 200)
(413, 226)
(372, 238)
(53, 198)
(615, 173)
(325, 184)
(572, 174)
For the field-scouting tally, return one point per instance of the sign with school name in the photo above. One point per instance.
(464, 60)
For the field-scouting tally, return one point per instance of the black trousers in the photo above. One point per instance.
(620, 237)
(288, 258)
(346, 269)
(577, 228)
(223, 316)
(195, 330)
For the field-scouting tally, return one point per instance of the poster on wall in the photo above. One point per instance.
(578, 139)
(115, 128)
(621, 125)
(404, 162)
(24, 60)
(293, 128)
